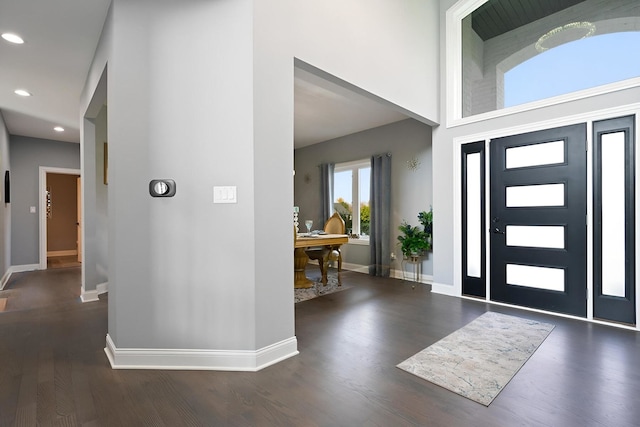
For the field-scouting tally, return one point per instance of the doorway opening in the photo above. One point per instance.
(60, 221)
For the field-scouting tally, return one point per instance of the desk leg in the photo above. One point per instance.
(299, 264)
(325, 264)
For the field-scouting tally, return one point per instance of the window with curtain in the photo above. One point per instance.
(351, 188)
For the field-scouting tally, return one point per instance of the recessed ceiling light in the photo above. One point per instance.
(22, 92)
(12, 38)
(58, 129)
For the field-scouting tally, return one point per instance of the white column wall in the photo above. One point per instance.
(180, 91)
(202, 93)
(5, 209)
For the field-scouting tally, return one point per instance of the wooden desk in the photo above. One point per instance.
(300, 258)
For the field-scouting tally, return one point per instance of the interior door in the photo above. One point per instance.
(538, 220)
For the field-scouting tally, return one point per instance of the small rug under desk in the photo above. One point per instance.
(318, 289)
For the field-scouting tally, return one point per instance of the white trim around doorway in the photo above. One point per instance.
(42, 214)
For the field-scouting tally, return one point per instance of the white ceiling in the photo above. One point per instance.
(60, 40)
(324, 110)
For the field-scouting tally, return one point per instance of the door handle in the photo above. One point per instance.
(496, 230)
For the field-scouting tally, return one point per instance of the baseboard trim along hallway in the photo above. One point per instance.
(188, 359)
(90, 296)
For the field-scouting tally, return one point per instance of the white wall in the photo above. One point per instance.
(272, 170)
(101, 200)
(5, 210)
(180, 96)
(92, 100)
(388, 48)
(202, 93)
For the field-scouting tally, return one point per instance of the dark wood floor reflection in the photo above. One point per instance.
(53, 370)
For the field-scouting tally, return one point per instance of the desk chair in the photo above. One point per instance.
(334, 225)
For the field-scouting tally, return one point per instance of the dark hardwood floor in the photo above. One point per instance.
(53, 370)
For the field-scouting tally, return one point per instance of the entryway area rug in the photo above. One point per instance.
(478, 360)
(318, 289)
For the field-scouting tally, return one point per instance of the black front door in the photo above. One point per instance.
(538, 220)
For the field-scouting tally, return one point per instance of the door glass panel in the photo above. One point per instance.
(474, 236)
(547, 278)
(536, 236)
(548, 153)
(535, 195)
(613, 214)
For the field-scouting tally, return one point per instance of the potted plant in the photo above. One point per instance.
(416, 240)
(426, 219)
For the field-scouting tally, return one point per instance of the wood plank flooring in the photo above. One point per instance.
(64, 261)
(53, 370)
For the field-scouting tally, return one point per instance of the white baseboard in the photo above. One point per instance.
(187, 359)
(17, 269)
(90, 296)
(69, 252)
(443, 289)
(5, 279)
(396, 274)
(424, 278)
(24, 267)
(355, 267)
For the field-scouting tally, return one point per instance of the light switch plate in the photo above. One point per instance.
(32, 209)
(226, 194)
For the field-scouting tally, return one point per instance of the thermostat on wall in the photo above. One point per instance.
(162, 188)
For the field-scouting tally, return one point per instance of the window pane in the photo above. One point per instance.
(613, 221)
(535, 195)
(530, 81)
(364, 184)
(548, 278)
(342, 196)
(548, 153)
(535, 236)
(474, 232)
(531, 53)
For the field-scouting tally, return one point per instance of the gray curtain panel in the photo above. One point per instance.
(380, 227)
(326, 190)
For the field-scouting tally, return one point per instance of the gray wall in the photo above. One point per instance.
(5, 209)
(93, 131)
(27, 155)
(411, 190)
(101, 201)
(187, 273)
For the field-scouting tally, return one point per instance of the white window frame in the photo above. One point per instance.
(354, 167)
(453, 75)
